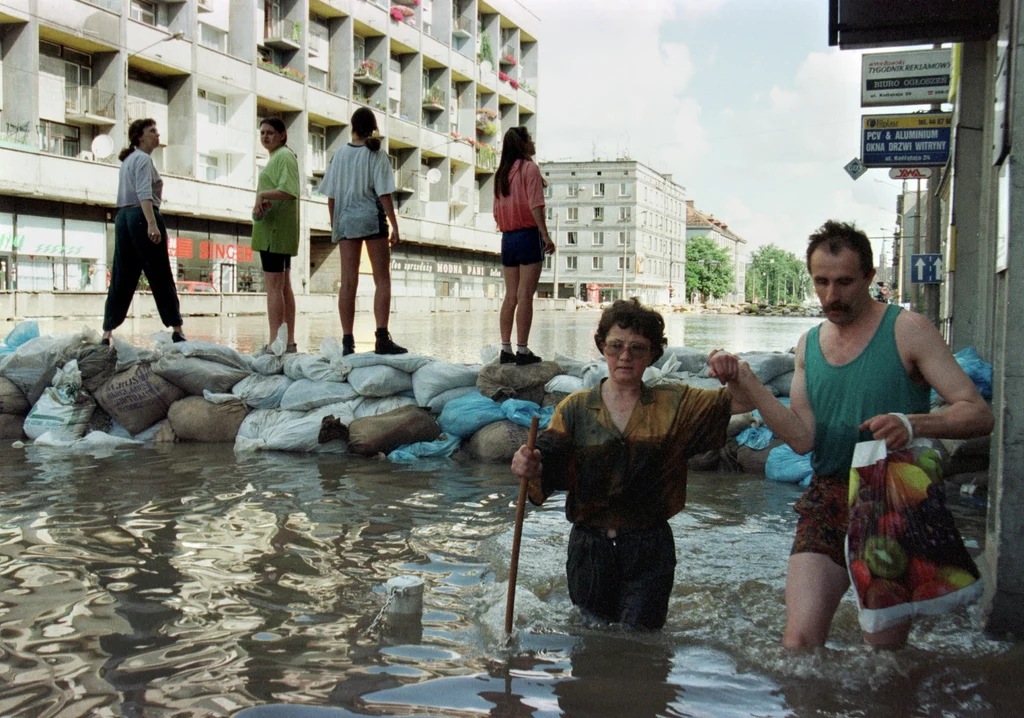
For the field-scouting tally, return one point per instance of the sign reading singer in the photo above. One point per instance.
(918, 140)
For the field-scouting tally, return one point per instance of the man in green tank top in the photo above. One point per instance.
(864, 373)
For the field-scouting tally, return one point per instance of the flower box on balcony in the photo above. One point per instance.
(368, 73)
(509, 60)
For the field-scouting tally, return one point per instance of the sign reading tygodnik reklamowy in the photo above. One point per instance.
(905, 78)
(917, 140)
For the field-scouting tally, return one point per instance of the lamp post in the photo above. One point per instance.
(175, 36)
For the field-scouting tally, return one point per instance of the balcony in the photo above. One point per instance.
(462, 28)
(283, 34)
(459, 197)
(368, 73)
(407, 181)
(486, 158)
(434, 100)
(316, 162)
(140, 109)
(204, 6)
(318, 40)
(89, 105)
(508, 56)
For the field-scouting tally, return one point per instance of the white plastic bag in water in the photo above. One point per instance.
(63, 409)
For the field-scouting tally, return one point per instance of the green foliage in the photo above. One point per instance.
(776, 276)
(485, 49)
(708, 269)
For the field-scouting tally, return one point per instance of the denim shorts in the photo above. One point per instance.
(521, 246)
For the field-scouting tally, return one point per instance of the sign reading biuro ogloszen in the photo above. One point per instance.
(917, 140)
(906, 78)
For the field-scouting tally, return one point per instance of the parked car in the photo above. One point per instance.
(195, 288)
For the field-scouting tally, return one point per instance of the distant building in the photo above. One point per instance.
(444, 77)
(621, 231)
(699, 224)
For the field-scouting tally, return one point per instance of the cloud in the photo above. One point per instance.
(606, 92)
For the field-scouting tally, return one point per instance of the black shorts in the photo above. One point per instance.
(521, 246)
(627, 579)
(274, 262)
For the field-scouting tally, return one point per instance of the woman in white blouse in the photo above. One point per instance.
(140, 238)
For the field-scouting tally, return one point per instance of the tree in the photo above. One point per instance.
(708, 269)
(777, 277)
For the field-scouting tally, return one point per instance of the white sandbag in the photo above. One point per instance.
(96, 442)
(196, 375)
(782, 384)
(219, 398)
(310, 366)
(563, 384)
(431, 380)
(768, 365)
(63, 409)
(593, 374)
(574, 367)
(436, 404)
(268, 364)
(405, 362)
(277, 430)
(702, 382)
(32, 365)
(306, 394)
(129, 355)
(376, 406)
(688, 359)
(379, 380)
(654, 375)
(211, 352)
(262, 392)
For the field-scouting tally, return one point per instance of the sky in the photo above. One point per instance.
(742, 101)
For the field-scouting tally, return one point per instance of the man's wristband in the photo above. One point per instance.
(906, 423)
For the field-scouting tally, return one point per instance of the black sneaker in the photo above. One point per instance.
(527, 357)
(348, 347)
(385, 345)
(178, 337)
(507, 357)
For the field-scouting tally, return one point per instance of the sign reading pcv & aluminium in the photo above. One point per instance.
(917, 140)
(905, 78)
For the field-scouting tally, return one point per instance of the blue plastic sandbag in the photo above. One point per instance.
(522, 412)
(979, 370)
(784, 464)
(467, 414)
(444, 446)
(19, 335)
(756, 437)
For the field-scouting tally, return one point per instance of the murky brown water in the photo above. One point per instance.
(187, 580)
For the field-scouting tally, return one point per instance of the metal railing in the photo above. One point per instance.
(82, 100)
(284, 29)
(318, 39)
(459, 196)
(407, 180)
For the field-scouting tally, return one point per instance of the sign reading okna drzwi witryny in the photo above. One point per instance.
(916, 140)
(905, 78)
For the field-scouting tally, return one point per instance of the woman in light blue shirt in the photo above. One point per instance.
(358, 185)
(140, 238)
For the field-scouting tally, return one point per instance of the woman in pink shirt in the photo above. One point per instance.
(519, 214)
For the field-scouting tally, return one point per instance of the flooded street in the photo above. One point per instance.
(188, 580)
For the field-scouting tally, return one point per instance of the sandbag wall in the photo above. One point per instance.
(406, 407)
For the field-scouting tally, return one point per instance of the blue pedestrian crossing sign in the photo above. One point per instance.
(926, 269)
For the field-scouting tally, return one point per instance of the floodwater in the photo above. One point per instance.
(186, 580)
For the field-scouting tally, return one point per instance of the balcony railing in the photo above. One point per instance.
(462, 27)
(368, 73)
(317, 162)
(508, 55)
(433, 99)
(89, 102)
(459, 197)
(318, 40)
(407, 181)
(284, 34)
(486, 157)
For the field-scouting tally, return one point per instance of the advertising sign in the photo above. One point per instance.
(909, 173)
(905, 78)
(915, 140)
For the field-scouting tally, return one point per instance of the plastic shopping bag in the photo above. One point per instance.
(904, 553)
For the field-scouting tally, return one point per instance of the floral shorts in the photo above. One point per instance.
(824, 516)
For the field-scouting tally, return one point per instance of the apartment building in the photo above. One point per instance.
(699, 224)
(445, 77)
(621, 232)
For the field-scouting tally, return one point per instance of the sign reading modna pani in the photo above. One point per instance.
(916, 140)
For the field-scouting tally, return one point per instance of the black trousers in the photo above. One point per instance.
(627, 579)
(135, 254)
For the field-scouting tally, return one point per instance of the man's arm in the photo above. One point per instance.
(966, 416)
(793, 424)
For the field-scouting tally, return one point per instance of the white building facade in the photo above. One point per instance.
(621, 232)
(445, 77)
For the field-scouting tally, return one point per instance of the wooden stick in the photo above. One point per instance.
(513, 568)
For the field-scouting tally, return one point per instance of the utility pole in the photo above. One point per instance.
(554, 261)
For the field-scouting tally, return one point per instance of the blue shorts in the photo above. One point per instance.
(521, 246)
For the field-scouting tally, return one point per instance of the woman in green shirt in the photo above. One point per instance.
(275, 226)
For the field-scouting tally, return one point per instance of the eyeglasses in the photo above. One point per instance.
(636, 349)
